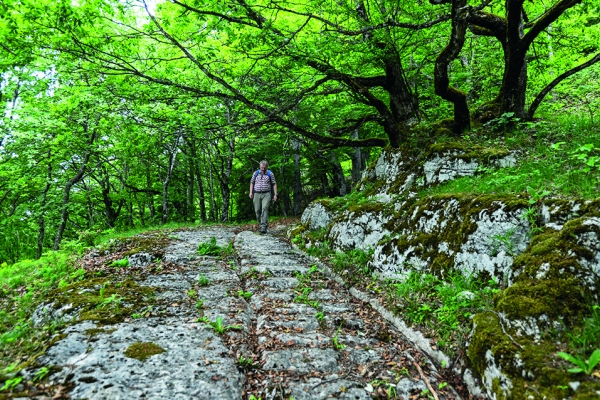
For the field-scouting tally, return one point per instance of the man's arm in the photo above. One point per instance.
(274, 192)
(251, 189)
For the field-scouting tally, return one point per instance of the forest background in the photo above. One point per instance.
(122, 114)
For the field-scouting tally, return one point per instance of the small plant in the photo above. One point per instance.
(536, 196)
(41, 373)
(530, 215)
(245, 295)
(209, 248)
(122, 263)
(336, 344)
(192, 293)
(246, 363)
(10, 384)
(586, 367)
(200, 304)
(112, 300)
(218, 325)
(320, 316)
(506, 239)
(203, 280)
(143, 313)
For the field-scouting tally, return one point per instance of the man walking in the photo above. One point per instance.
(262, 186)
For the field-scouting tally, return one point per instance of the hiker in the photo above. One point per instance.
(262, 186)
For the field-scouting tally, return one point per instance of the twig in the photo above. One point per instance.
(504, 330)
(433, 393)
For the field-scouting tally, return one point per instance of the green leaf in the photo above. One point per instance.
(594, 360)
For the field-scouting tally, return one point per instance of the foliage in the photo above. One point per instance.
(218, 326)
(203, 280)
(209, 248)
(24, 286)
(555, 158)
(122, 263)
(585, 366)
(445, 304)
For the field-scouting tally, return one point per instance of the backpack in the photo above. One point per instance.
(268, 174)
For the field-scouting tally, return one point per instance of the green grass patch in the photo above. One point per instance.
(561, 156)
(443, 306)
(23, 286)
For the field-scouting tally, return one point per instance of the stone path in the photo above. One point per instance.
(287, 331)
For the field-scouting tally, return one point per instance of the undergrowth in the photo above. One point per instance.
(441, 307)
(23, 286)
(561, 156)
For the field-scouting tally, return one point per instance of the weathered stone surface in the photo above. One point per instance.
(333, 387)
(100, 370)
(316, 216)
(302, 360)
(358, 230)
(140, 259)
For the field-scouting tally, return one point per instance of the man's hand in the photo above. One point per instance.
(250, 194)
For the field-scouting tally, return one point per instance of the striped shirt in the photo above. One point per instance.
(261, 181)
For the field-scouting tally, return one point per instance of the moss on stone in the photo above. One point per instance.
(98, 331)
(86, 299)
(297, 230)
(468, 151)
(151, 244)
(530, 366)
(551, 281)
(143, 350)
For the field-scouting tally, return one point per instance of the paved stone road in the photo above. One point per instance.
(288, 332)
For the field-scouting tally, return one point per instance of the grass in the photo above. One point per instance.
(23, 286)
(561, 156)
(443, 305)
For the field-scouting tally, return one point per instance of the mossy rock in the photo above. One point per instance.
(143, 350)
(465, 211)
(86, 302)
(551, 281)
(468, 151)
(516, 367)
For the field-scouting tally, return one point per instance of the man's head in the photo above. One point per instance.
(263, 165)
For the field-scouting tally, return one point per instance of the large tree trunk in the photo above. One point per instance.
(514, 81)
(462, 117)
(165, 186)
(224, 181)
(200, 185)
(191, 214)
(211, 187)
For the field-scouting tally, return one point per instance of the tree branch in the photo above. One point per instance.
(538, 99)
(547, 18)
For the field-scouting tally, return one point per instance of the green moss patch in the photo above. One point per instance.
(143, 350)
(533, 368)
(102, 300)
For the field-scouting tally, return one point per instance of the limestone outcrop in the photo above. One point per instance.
(545, 252)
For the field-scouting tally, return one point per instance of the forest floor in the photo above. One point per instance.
(260, 322)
